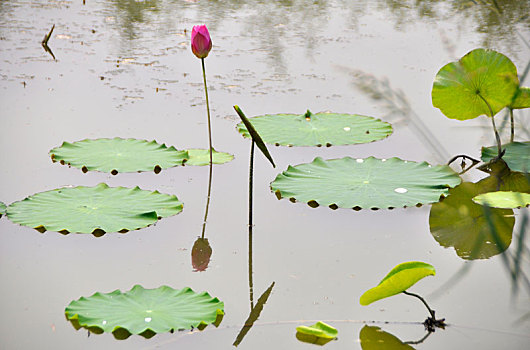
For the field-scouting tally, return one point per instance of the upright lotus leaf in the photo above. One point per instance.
(320, 333)
(141, 311)
(365, 183)
(522, 98)
(517, 155)
(460, 223)
(374, 338)
(2, 209)
(398, 280)
(94, 210)
(320, 129)
(118, 155)
(252, 133)
(201, 157)
(503, 199)
(460, 88)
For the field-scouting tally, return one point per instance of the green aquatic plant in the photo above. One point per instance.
(320, 333)
(320, 129)
(365, 183)
(200, 157)
(503, 199)
(2, 209)
(516, 156)
(397, 281)
(95, 210)
(145, 311)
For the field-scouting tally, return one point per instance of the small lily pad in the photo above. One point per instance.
(118, 155)
(522, 98)
(517, 155)
(95, 210)
(201, 157)
(365, 183)
(2, 209)
(503, 199)
(398, 280)
(144, 311)
(320, 129)
(320, 333)
(460, 88)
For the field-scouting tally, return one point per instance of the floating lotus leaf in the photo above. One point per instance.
(460, 88)
(141, 311)
(364, 183)
(460, 223)
(503, 199)
(202, 157)
(517, 155)
(94, 210)
(320, 129)
(374, 338)
(522, 98)
(2, 209)
(118, 155)
(398, 280)
(320, 333)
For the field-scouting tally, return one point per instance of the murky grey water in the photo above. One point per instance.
(124, 68)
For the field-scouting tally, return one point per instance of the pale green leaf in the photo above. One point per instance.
(503, 199)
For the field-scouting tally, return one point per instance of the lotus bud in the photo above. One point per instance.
(201, 44)
(200, 254)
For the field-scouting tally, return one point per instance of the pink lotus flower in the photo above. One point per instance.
(201, 44)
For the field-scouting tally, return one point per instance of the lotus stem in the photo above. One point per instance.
(250, 223)
(497, 137)
(207, 202)
(208, 111)
(431, 311)
(512, 127)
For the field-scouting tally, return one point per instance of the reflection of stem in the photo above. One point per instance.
(250, 224)
(418, 341)
(423, 301)
(207, 201)
(497, 137)
(512, 127)
(208, 110)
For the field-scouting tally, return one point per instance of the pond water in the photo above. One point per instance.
(125, 68)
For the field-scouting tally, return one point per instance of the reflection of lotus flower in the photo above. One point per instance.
(201, 44)
(200, 254)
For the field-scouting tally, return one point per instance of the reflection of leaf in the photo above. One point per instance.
(399, 279)
(320, 333)
(365, 183)
(458, 222)
(255, 135)
(141, 311)
(200, 254)
(94, 210)
(321, 129)
(118, 155)
(254, 315)
(503, 199)
(374, 338)
(517, 155)
(460, 87)
(202, 157)
(2, 209)
(522, 98)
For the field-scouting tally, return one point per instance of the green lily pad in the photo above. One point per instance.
(320, 333)
(118, 155)
(95, 210)
(374, 338)
(460, 87)
(2, 209)
(522, 98)
(201, 157)
(320, 129)
(517, 155)
(398, 280)
(503, 199)
(460, 223)
(364, 183)
(144, 311)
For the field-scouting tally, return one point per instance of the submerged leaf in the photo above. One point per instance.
(460, 88)
(320, 129)
(96, 210)
(517, 155)
(365, 183)
(202, 157)
(398, 280)
(320, 333)
(374, 338)
(522, 98)
(141, 310)
(503, 199)
(118, 155)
